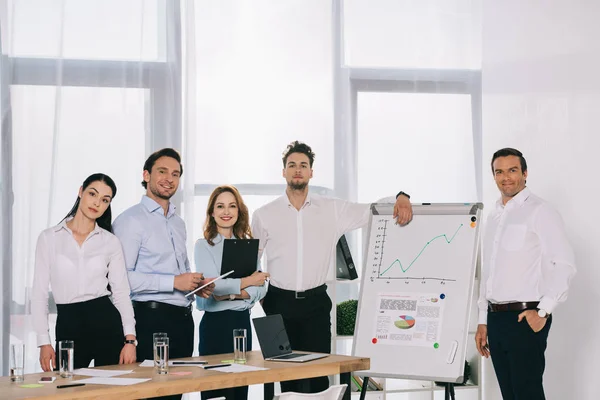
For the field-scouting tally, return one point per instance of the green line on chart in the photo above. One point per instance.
(421, 252)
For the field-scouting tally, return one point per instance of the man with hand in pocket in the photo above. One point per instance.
(527, 267)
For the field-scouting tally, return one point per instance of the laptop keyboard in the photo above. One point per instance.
(288, 356)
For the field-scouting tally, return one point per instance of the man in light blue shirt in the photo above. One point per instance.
(153, 239)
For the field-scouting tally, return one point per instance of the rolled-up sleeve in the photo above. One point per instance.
(558, 258)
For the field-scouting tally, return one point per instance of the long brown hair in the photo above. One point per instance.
(241, 229)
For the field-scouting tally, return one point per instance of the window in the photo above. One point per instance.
(417, 142)
(436, 34)
(88, 29)
(263, 80)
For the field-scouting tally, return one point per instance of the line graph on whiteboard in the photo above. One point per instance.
(420, 257)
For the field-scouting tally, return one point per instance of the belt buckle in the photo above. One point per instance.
(297, 297)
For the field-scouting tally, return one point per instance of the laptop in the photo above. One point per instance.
(239, 256)
(274, 342)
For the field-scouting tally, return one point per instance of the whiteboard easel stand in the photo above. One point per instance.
(449, 392)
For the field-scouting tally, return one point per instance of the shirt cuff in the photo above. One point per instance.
(547, 304)
(129, 330)
(166, 283)
(43, 340)
(483, 317)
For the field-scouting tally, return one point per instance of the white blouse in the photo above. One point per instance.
(78, 274)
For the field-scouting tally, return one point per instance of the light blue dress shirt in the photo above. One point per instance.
(154, 250)
(208, 261)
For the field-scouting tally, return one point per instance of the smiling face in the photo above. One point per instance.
(225, 212)
(163, 180)
(509, 177)
(94, 199)
(297, 171)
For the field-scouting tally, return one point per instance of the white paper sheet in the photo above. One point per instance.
(101, 373)
(150, 363)
(112, 381)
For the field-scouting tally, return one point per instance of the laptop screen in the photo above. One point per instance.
(272, 336)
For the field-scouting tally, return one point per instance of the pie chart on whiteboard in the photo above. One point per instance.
(405, 322)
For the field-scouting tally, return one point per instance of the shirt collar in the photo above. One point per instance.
(219, 238)
(517, 200)
(307, 201)
(63, 225)
(152, 205)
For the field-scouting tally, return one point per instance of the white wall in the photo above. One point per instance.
(541, 86)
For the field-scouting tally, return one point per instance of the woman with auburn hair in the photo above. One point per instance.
(81, 258)
(229, 307)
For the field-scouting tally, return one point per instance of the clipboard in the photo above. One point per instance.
(239, 256)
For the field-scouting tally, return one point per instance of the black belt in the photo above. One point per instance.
(298, 295)
(155, 305)
(517, 306)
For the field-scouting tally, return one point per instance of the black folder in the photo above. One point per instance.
(239, 256)
(344, 265)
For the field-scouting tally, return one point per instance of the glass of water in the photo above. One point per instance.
(239, 346)
(17, 362)
(66, 358)
(161, 355)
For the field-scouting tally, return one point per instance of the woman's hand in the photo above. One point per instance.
(128, 354)
(47, 357)
(256, 279)
(221, 298)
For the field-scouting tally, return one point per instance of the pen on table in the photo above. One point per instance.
(216, 366)
(190, 362)
(69, 386)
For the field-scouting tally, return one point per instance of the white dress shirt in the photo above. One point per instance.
(300, 244)
(78, 274)
(526, 255)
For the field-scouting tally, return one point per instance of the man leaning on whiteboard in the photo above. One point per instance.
(527, 267)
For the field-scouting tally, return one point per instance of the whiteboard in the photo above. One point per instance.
(416, 290)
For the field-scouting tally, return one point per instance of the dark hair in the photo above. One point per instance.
(166, 152)
(105, 220)
(241, 229)
(508, 151)
(298, 147)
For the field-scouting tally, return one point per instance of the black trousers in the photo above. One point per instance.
(95, 327)
(175, 321)
(216, 337)
(518, 355)
(308, 325)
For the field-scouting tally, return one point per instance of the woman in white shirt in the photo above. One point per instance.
(83, 262)
(229, 306)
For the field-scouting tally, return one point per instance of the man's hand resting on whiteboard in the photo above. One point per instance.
(403, 210)
(481, 340)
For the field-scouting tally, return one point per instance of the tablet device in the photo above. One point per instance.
(240, 256)
(208, 283)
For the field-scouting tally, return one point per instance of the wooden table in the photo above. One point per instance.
(199, 379)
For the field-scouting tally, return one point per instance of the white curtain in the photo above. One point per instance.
(93, 87)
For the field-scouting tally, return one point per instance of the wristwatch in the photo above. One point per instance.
(542, 313)
(130, 341)
(402, 193)
(232, 296)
